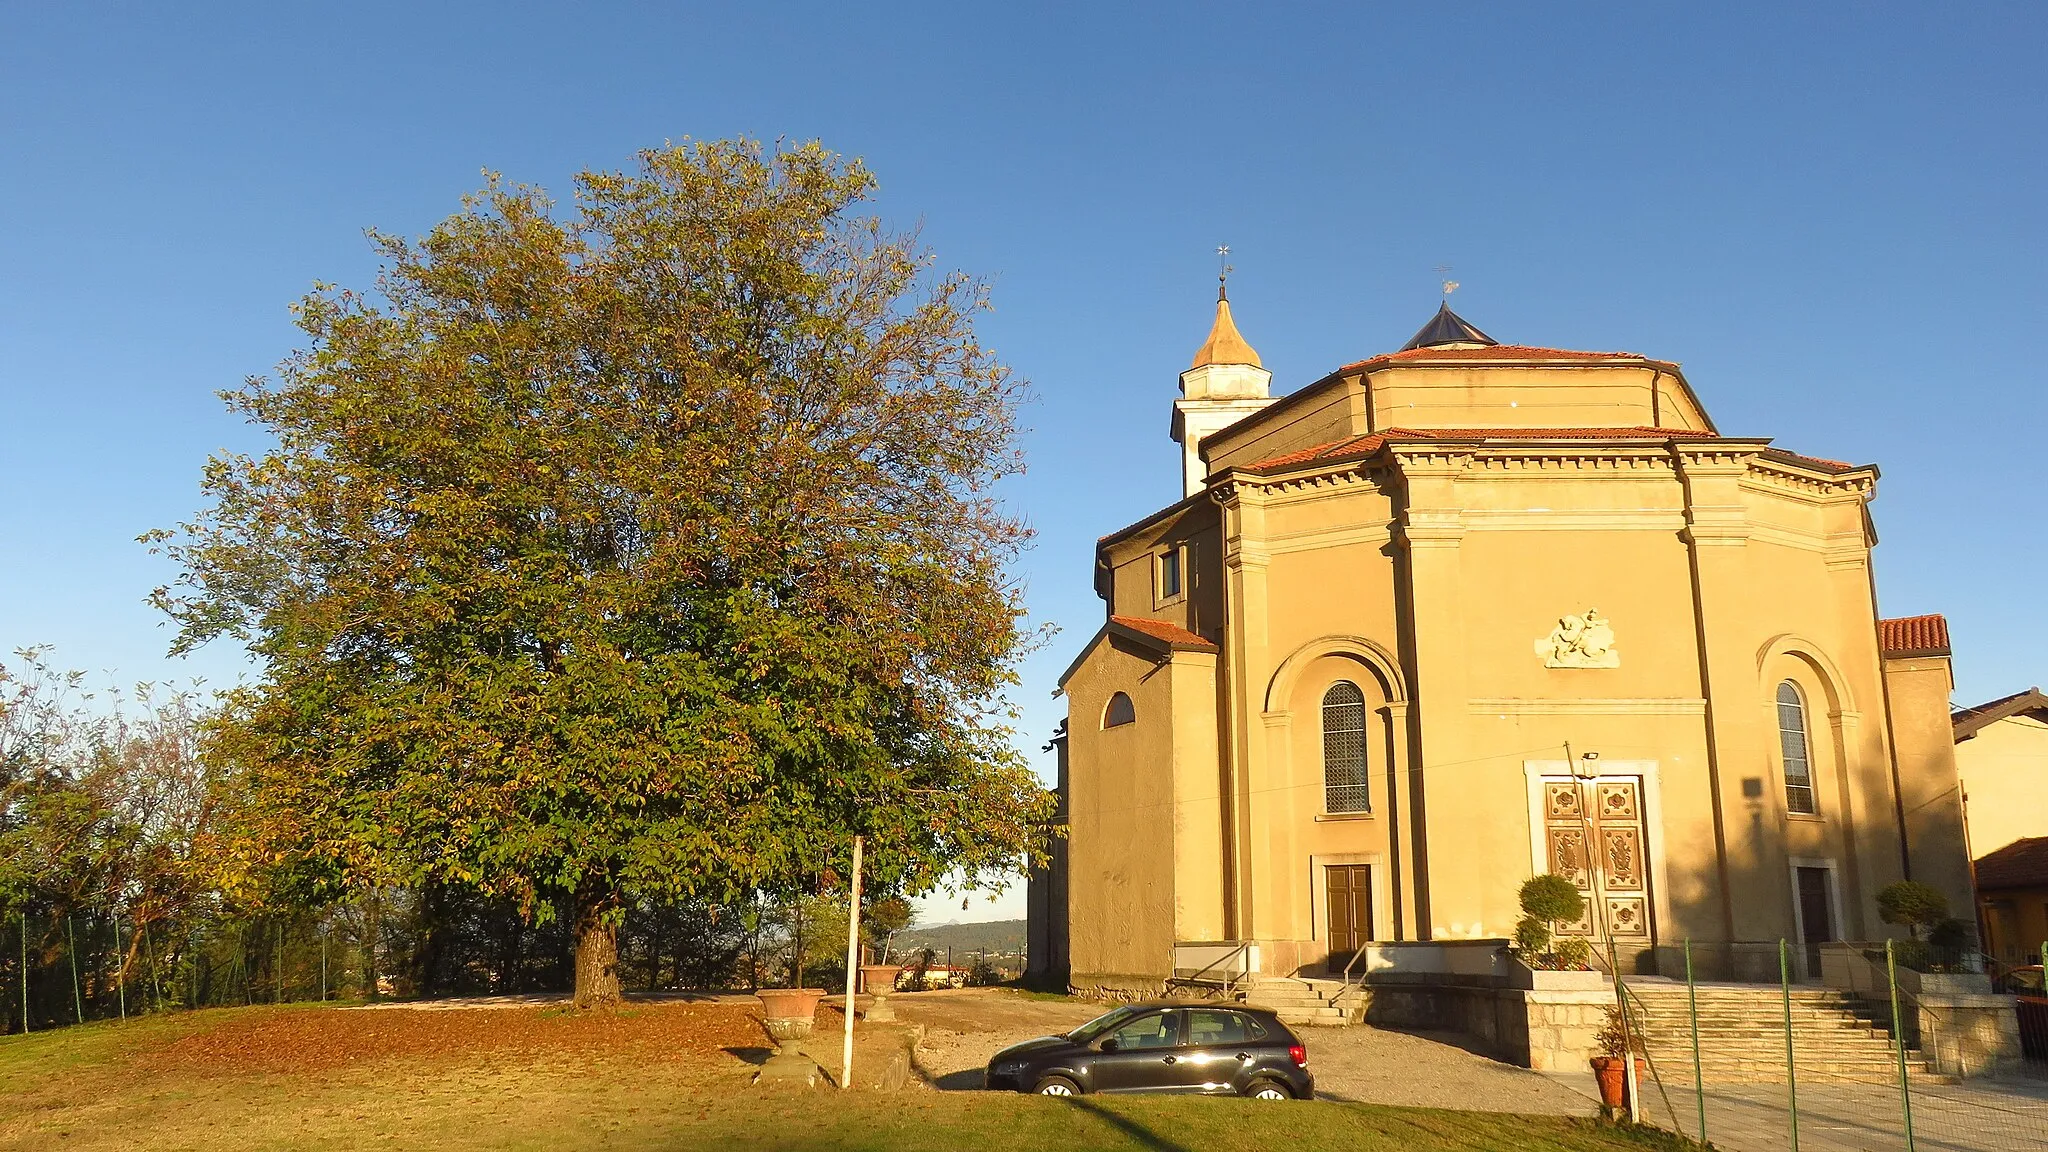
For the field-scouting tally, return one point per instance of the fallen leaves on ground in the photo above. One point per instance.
(302, 1040)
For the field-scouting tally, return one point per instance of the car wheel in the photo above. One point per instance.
(1057, 1086)
(1268, 1090)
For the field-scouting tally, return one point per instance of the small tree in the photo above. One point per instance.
(883, 919)
(1547, 899)
(1911, 904)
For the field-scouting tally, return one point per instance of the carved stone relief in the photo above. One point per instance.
(1580, 641)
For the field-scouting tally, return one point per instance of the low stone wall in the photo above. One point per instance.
(1550, 1022)
(1953, 1018)
(1117, 986)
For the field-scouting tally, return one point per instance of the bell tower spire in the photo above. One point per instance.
(1225, 384)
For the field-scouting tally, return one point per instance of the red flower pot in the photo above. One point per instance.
(789, 1003)
(879, 979)
(1613, 1077)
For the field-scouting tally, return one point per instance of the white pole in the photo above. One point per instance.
(852, 970)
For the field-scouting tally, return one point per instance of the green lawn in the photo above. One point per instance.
(139, 1084)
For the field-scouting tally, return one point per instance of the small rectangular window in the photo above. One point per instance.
(1169, 574)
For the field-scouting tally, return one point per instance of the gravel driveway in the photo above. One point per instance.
(964, 1027)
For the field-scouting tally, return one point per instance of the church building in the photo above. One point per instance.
(1466, 612)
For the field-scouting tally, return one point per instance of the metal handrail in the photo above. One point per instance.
(1635, 1030)
(1229, 982)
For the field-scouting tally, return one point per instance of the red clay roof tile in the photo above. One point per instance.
(1914, 636)
(2020, 864)
(1164, 630)
(1490, 352)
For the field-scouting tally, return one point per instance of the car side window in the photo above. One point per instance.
(1209, 1027)
(1158, 1030)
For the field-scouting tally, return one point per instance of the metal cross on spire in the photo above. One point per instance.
(1223, 271)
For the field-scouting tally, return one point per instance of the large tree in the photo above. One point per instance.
(642, 550)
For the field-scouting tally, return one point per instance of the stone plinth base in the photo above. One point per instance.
(788, 1068)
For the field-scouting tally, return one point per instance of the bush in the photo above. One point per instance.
(1911, 904)
(1532, 937)
(1551, 898)
(1949, 940)
(1615, 1040)
(1914, 954)
(1574, 953)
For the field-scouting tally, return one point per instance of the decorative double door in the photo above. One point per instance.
(1606, 813)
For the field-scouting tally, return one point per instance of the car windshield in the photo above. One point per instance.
(1101, 1025)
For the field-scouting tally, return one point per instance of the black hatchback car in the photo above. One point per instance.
(1187, 1048)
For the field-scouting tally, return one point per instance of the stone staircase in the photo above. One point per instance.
(1299, 1001)
(1836, 1039)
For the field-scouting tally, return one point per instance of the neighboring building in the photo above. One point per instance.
(2002, 757)
(1445, 617)
(2012, 884)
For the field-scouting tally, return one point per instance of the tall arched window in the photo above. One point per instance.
(1796, 750)
(1344, 783)
(1119, 711)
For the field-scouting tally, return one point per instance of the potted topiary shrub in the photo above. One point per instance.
(1615, 1044)
(1545, 900)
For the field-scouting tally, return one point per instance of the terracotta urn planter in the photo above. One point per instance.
(1613, 1077)
(878, 980)
(789, 1014)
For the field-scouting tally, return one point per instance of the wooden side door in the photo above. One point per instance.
(1347, 891)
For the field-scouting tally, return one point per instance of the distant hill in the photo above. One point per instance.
(995, 937)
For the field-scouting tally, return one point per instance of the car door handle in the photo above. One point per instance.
(1244, 1055)
(1167, 1059)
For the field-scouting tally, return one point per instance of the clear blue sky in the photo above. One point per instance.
(1830, 214)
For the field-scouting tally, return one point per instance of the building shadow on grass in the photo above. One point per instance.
(1145, 1137)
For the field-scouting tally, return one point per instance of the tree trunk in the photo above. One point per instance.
(371, 908)
(597, 946)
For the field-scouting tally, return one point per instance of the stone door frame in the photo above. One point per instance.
(1833, 868)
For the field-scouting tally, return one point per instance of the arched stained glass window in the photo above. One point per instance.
(1344, 781)
(1793, 744)
(1119, 711)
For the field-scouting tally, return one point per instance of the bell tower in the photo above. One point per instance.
(1225, 385)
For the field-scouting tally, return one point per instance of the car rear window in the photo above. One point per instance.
(1209, 1026)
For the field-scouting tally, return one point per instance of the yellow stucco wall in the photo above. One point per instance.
(1427, 576)
(1144, 823)
(1561, 396)
(2005, 778)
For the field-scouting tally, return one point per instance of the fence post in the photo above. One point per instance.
(1891, 974)
(1692, 1009)
(25, 1028)
(120, 967)
(71, 946)
(1791, 1066)
(323, 967)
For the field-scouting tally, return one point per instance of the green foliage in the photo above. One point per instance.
(1914, 954)
(641, 552)
(1552, 898)
(1532, 936)
(1615, 1039)
(1911, 904)
(1574, 953)
(1949, 939)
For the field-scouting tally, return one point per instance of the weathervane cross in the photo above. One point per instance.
(1450, 286)
(1223, 270)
